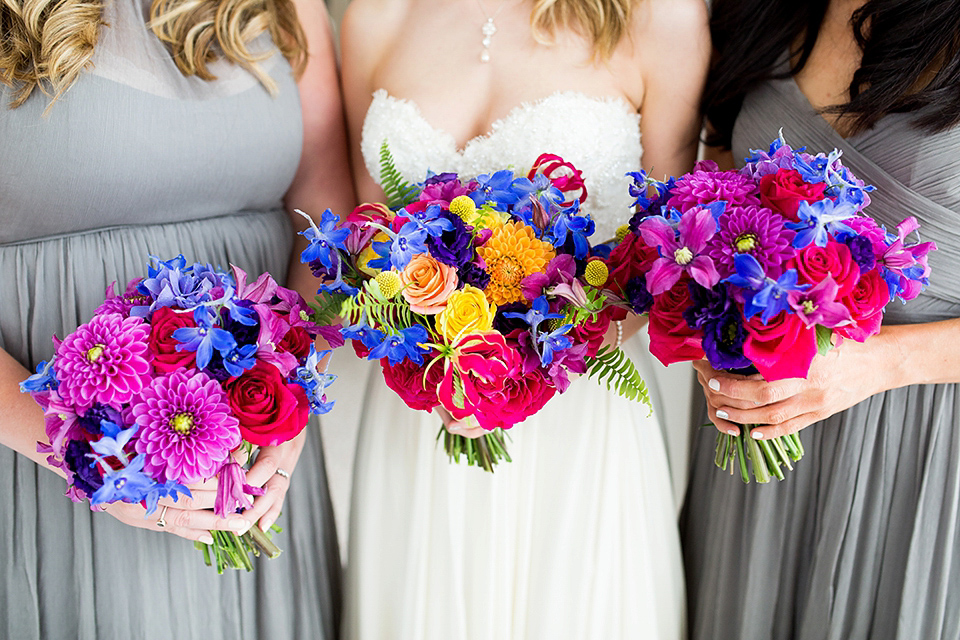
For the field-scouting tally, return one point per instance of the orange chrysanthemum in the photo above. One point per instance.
(512, 253)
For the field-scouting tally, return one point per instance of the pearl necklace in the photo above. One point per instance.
(488, 29)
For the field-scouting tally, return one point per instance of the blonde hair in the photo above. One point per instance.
(604, 21)
(46, 44)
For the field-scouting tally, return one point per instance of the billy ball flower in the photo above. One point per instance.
(106, 360)
(596, 273)
(187, 429)
(511, 254)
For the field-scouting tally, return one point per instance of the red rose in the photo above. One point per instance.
(866, 303)
(296, 341)
(270, 410)
(563, 175)
(483, 365)
(519, 399)
(593, 331)
(163, 345)
(814, 263)
(784, 190)
(406, 380)
(671, 339)
(630, 258)
(783, 348)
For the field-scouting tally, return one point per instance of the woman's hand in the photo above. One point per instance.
(836, 381)
(272, 471)
(468, 428)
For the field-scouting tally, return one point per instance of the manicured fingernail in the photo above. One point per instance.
(265, 524)
(723, 415)
(714, 384)
(206, 538)
(756, 435)
(733, 432)
(239, 524)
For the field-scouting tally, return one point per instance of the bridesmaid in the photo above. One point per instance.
(188, 134)
(861, 540)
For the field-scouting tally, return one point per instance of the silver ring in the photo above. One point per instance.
(160, 521)
(282, 473)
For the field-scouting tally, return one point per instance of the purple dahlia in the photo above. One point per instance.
(106, 360)
(706, 185)
(754, 230)
(186, 427)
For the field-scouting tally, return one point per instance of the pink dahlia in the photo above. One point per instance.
(754, 230)
(186, 427)
(106, 360)
(705, 185)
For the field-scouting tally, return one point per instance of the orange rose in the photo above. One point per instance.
(427, 284)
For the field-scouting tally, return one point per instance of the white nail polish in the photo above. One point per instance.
(206, 539)
(756, 435)
(714, 384)
(265, 524)
(733, 432)
(723, 415)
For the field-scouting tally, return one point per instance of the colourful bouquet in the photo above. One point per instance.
(170, 378)
(761, 269)
(479, 296)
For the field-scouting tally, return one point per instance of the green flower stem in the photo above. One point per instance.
(484, 452)
(766, 457)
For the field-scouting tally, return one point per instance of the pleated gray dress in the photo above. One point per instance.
(133, 161)
(862, 540)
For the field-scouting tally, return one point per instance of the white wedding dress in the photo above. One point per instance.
(574, 539)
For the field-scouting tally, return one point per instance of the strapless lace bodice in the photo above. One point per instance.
(600, 136)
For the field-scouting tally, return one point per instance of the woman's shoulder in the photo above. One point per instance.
(372, 20)
(657, 21)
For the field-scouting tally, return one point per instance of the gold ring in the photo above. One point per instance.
(160, 521)
(282, 473)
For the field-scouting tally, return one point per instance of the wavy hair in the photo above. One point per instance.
(46, 44)
(603, 21)
(910, 63)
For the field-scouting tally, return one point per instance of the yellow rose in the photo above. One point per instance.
(467, 311)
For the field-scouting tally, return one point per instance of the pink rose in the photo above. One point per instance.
(671, 339)
(270, 410)
(407, 381)
(483, 363)
(427, 283)
(814, 263)
(866, 303)
(166, 358)
(784, 348)
(520, 398)
(784, 190)
(297, 342)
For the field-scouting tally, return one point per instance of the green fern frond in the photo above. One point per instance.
(613, 367)
(326, 309)
(371, 307)
(398, 191)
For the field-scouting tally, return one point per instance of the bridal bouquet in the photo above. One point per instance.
(761, 269)
(168, 380)
(481, 296)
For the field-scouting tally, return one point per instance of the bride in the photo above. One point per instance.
(576, 538)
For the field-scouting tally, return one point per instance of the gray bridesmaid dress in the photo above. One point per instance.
(136, 160)
(862, 540)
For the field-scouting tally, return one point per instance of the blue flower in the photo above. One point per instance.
(430, 220)
(411, 240)
(129, 484)
(114, 439)
(578, 227)
(157, 491)
(240, 359)
(541, 190)
(315, 382)
(640, 189)
(768, 295)
(553, 343)
(238, 308)
(819, 219)
(367, 336)
(496, 188)
(204, 338)
(173, 284)
(44, 379)
(325, 240)
(538, 312)
(405, 344)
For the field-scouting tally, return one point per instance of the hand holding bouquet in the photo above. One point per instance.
(481, 296)
(171, 382)
(761, 269)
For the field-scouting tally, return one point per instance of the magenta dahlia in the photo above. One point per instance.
(106, 360)
(755, 230)
(705, 185)
(186, 427)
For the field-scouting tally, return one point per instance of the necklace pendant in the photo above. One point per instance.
(484, 56)
(488, 29)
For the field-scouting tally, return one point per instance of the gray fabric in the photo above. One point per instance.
(113, 175)
(860, 540)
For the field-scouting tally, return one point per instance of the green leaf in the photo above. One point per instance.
(824, 340)
(398, 191)
(616, 370)
(326, 309)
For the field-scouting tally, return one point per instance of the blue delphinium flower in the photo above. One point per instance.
(578, 227)
(113, 440)
(325, 240)
(819, 219)
(399, 346)
(204, 338)
(541, 190)
(240, 359)
(238, 309)
(173, 284)
(129, 484)
(430, 220)
(496, 188)
(553, 343)
(538, 312)
(368, 336)
(315, 382)
(170, 489)
(763, 293)
(409, 241)
(44, 379)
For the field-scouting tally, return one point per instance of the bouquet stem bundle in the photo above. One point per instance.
(766, 457)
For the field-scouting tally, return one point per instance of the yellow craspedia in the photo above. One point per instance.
(622, 232)
(464, 207)
(512, 253)
(467, 311)
(368, 254)
(389, 283)
(596, 273)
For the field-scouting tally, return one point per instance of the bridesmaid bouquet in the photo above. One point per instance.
(761, 269)
(479, 296)
(169, 380)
